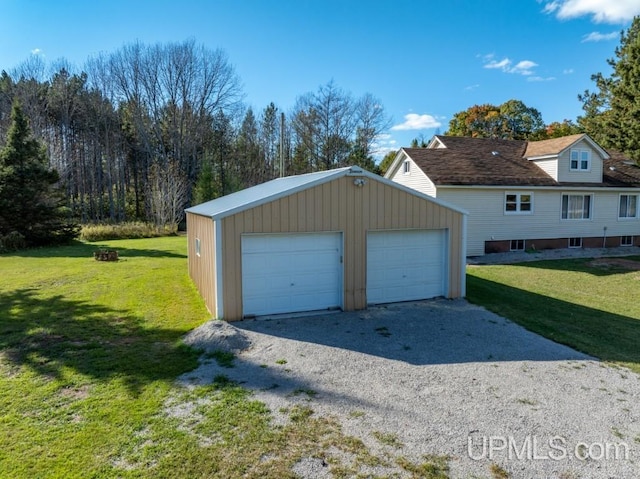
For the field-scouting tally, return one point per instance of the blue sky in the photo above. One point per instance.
(425, 60)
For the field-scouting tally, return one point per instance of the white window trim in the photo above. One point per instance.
(524, 245)
(591, 206)
(580, 151)
(518, 211)
(628, 218)
(626, 244)
(406, 167)
(574, 238)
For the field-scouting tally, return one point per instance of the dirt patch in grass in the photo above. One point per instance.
(615, 263)
(81, 392)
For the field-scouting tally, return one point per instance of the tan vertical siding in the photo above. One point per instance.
(202, 269)
(339, 205)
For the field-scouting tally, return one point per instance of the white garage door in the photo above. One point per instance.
(285, 273)
(405, 265)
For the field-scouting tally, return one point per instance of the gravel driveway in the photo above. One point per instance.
(441, 377)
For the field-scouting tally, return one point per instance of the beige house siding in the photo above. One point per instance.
(340, 206)
(549, 166)
(566, 175)
(415, 179)
(488, 222)
(202, 269)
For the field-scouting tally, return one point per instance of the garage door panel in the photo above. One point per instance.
(405, 265)
(292, 272)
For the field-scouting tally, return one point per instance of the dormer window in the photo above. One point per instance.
(580, 160)
(406, 167)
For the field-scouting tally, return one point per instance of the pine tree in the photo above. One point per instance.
(612, 113)
(29, 204)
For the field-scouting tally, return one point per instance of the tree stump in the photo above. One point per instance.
(105, 255)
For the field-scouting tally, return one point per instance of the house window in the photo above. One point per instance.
(517, 245)
(628, 206)
(576, 207)
(580, 160)
(197, 246)
(575, 242)
(515, 203)
(626, 240)
(406, 167)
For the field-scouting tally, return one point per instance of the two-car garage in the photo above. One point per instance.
(339, 239)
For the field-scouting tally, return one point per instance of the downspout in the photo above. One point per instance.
(463, 259)
(604, 237)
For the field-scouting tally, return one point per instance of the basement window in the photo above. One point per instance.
(575, 242)
(626, 240)
(197, 246)
(517, 245)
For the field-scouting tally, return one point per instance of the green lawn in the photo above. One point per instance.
(592, 307)
(89, 354)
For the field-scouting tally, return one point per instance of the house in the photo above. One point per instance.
(338, 239)
(561, 193)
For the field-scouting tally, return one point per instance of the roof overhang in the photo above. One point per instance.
(397, 161)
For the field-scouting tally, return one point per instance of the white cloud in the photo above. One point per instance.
(37, 51)
(502, 64)
(599, 37)
(413, 121)
(601, 11)
(567, 71)
(472, 87)
(540, 79)
(523, 67)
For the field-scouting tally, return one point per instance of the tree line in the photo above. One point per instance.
(147, 130)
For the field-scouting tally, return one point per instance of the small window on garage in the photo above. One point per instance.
(517, 245)
(406, 167)
(575, 242)
(626, 240)
(197, 246)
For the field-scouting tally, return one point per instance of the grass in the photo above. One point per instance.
(591, 308)
(498, 472)
(88, 351)
(223, 358)
(387, 439)
(89, 354)
(433, 467)
(129, 230)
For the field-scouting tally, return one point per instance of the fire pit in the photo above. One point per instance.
(105, 255)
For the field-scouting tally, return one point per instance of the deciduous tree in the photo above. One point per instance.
(512, 120)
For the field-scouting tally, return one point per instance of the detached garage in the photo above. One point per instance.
(338, 239)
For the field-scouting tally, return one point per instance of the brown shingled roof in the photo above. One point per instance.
(619, 171)
(494, 162)
(551, 147)
(479, 161)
